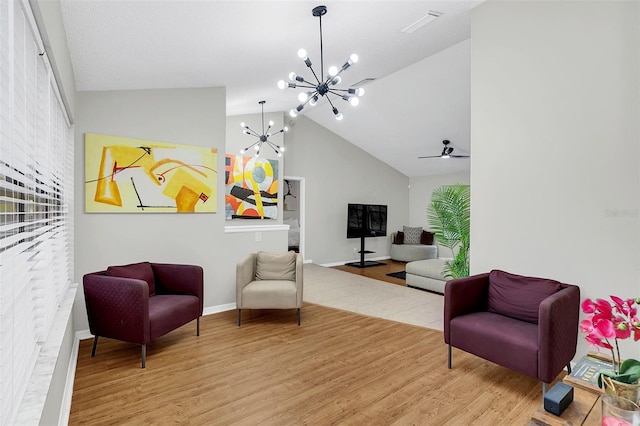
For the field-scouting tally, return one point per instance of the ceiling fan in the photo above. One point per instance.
(446, 152)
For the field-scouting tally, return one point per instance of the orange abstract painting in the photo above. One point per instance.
(251, 187)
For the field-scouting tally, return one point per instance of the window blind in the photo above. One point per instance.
(36, 201)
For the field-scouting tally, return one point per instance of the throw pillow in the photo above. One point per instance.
(140, 271)
(276, 266)
(399, 238)
(517, 296)
(426, 238)
(412, 234)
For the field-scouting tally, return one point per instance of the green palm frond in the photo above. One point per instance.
(449, 219)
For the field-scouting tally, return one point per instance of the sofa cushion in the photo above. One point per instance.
(140, 271)
(412, 234)
(276, 266)
(517, 296)
(426, 238)
(399, 238)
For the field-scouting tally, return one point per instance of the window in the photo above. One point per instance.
(36, 201)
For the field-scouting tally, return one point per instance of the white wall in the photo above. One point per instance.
(555, 187)
(183, 116)
(420, 199)
(338, 173)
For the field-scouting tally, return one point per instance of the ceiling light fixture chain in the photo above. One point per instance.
(322, 87)
(264, 137)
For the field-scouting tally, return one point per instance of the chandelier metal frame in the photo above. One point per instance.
(263, 137)
(322, 87)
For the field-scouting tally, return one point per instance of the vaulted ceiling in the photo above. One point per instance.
(418, 97)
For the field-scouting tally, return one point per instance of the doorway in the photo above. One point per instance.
(293, 212)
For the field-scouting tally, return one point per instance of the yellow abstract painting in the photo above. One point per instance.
(130, 175)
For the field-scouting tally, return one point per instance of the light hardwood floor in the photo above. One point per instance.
(337, 368)
(378, 272)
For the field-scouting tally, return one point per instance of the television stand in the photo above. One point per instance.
(364, 263)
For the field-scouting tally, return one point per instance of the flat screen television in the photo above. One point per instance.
(366, 220)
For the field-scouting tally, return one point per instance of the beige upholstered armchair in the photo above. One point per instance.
(269, 281)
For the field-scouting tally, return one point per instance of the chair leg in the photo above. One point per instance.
(144, 355)
(239, 317)
(449, 358)
(95, 344)
(298, 316)
(544, 389)
(198, 326)
(569, 368)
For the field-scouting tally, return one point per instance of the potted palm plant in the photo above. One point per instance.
(449, 219)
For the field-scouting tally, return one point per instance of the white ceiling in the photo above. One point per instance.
(420, 95)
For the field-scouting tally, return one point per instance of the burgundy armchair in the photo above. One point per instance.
(140, 302)
(526, 324)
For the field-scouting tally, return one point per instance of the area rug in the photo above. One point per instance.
(402, 275)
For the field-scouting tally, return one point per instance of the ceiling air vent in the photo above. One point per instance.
(431, 16)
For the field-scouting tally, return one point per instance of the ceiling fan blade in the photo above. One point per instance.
(431, 156)
(460, 156)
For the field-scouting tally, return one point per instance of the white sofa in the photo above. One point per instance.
(426, 274)
(412, 252)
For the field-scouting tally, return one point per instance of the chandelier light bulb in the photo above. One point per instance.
(270, 122)
(242, 151)
(292, 76)
(286, 129)
(282, 84)
(336, 80)
(354, 100)
(257, 147)
(281, 148)
(353, 58)
(339, 116)
(302, 54)
(302, 97)
(333, 70)
(359, 91)
(293, 113)
(243, 124)
(314, 100)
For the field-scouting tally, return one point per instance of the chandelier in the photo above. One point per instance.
(322, 86)
(264, 137)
